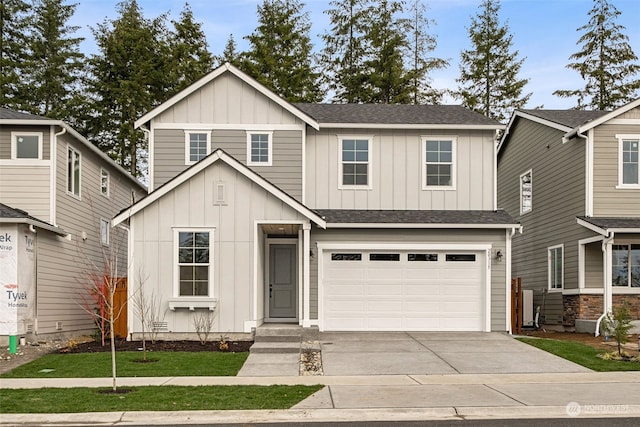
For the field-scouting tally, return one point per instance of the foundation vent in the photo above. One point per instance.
(160, 327)
(29, 328)
(58, 326)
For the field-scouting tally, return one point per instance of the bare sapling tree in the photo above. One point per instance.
(142, 308)
(203, 323)
(156, 316)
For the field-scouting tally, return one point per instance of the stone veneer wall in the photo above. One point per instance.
(589, 307)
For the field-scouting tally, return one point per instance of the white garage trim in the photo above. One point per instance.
(364, 246)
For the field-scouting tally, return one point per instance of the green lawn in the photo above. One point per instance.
(581, 354)
(169, 364)
(158, 398)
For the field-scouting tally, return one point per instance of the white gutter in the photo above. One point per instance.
(607, 301)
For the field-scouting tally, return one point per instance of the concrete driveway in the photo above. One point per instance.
(433, 353)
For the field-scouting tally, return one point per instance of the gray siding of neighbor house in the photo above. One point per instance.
(497, 239)
(26, 185)
(609, 201)
(558, 178)
(234, 235)
(396, 171)
(65, 265)
(285, 171)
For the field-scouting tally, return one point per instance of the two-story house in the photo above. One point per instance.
(572, 179)
(345, 217)
(58, 193)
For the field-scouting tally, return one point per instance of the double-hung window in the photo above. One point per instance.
(194, 255)
(259, 148)
(355, 162)
(556, 267)
(626, 265)
(526, 192)
(26, 145)
(104, 231)
(438, 162)
(628, 162)
(198, 145)
(104, 182)
(73, 171)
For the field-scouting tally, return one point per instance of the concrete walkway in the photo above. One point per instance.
(383, 397)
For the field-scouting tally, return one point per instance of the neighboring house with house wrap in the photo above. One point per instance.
(58, 192)
(346, 217)
(572, 179)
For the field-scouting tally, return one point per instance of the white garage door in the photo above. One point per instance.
(403, 290)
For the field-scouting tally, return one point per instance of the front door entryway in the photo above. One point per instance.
(282, 285)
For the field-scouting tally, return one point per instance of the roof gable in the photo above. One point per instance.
(217, 156)
(224, 69)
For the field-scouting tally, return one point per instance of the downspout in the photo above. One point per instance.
(53, 155)
(508, 273)
(607, 296)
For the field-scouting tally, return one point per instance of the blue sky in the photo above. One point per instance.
(544, 32)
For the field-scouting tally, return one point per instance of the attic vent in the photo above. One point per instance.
(58, 326)
(219, 196)
(160, 326)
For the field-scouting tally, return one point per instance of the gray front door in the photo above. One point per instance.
(282, 286)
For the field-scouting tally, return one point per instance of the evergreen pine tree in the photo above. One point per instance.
(279, 55)
(605, 61)
(230, 53)
(54, 66)
(129, 77)
(345, 51)
(421, 44)
(14, 35)
(189, 57)
(488, 81)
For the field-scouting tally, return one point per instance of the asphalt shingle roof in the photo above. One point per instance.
(394, 114)
(607, 223)
(570, 118)
(7, 114)
(349, 216)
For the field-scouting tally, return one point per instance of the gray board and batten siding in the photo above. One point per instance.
(285, 171)
(558, 196)
(397, 171)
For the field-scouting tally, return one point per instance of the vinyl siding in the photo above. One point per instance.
(396, 171)
(27, 188)
(234, 228)
(285, 171)
(607, 199)
(558, 177)
(496, 238)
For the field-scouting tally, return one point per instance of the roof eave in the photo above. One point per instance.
(417, 225)
(38, 224)
(334, 125)
(605, 118)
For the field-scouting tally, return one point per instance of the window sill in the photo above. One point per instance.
(555, 290)
(438, 188)
(192, 303)
(628, 187)
(259, 163)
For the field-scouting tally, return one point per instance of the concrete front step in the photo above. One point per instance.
(275, 347)
(277, 338)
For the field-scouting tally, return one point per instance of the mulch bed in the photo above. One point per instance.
(190, 346)
(588, 339)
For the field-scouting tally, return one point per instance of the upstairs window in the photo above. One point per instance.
(104, 182)
(73, 171)
(104, 231)
(259, 149)
(438, 157)
(194, 262)
(526, 192)
(628, 170)
(197, 146)
(26, 145)
(355, 159)
(556, 267)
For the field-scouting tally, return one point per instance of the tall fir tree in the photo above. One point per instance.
(488, 81)
(279, 55)
(14, 36)
(129, 77)
(421, 45)
(230, 53)
(605, 61)
(345, 50)
(189, 56)
(55, 64)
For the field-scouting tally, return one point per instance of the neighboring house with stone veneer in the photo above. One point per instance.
(58, 193)
(345, 217)
(572, 179)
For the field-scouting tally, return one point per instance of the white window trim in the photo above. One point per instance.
(549, 260)
(621, 138)
(103, 171)
(269, 148)
(14, 145)
(454, 144)
(187, 144)
(369, 185)
(176, 269)
(522, 211)
(108, 223)
(72, 192)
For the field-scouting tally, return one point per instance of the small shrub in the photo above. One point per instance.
(203, 323)
(223, 344)
(618, 324)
